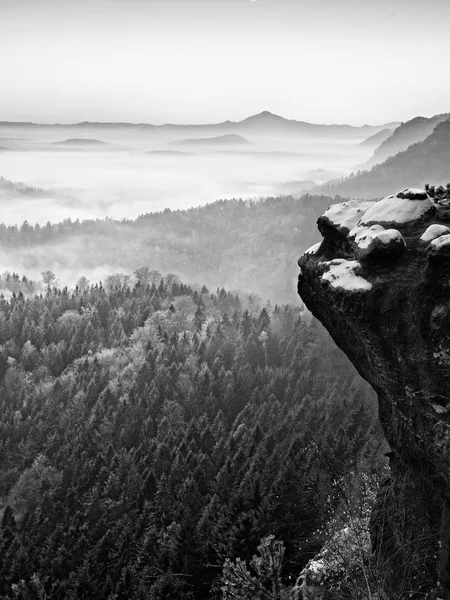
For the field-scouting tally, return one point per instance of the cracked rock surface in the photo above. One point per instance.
(380, 283)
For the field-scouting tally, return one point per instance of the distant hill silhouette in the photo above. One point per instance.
(10, 189)
(80, 142)
(264, 122)
(377, 138)
(219, 141)
(169, 152)
(425, 161)
(410, 132)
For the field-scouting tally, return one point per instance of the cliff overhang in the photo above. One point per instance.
(379, 281)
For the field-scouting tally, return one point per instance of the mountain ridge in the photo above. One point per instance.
(377, 139)
(407, 133)
(259, 118)
(419, 163)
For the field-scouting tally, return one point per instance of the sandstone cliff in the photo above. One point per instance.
(380, 283)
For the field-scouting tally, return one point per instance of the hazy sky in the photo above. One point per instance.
(350, 61)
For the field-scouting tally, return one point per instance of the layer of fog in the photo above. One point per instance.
(133, 174)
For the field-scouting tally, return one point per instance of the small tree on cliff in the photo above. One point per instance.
(261, 580)
(350, 565)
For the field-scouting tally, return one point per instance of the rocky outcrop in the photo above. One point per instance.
(339, 570)
(380, 283)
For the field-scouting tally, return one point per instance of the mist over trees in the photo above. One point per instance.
(243, 245)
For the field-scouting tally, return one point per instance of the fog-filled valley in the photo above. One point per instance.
(140, 169)
(174, 423)
(65, 180)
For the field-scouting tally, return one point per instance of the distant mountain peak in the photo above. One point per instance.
(265, 114)
(267, 121)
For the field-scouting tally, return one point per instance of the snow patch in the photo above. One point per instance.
(347, 214)
(316, 566)
(433, 232)
(313, 249)
(341, 274)
(406, 206)
(440, 242)
(389, 235)
(364, 236)
(441, 357)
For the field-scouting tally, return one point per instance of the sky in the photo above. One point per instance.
(198, 61)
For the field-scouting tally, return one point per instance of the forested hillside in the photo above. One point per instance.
(406, 134)
(242, 245)
(428, 160)
(150, 431)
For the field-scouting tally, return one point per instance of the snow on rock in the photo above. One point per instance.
(441, 242)
(404, 207)
(439, 409)
(313, 249)
(376, 239)
(310, 583)
(347, 214)
(434, 231)
(317, 566)
(390, 235)
(364, 235)
(341, 274)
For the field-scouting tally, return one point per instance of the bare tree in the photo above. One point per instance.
(142, 275)
(83, 283)
(155, 277)
(48, 279)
